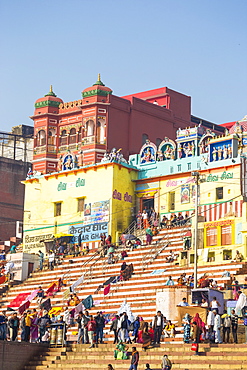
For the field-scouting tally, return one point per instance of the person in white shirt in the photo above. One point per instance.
(183, 303)
(210, 325)
(214, 305)
(204, 303)
(217, 324)
(51, 260)
(145, 219)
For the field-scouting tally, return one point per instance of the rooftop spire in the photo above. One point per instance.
(51, 93)
(99, 82)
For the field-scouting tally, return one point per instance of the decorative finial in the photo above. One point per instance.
(51, 93)
(99, 82)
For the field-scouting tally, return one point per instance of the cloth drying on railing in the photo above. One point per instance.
(111, 280)
(107, 289)
(88, 302)
(23, 301)
(54, 287)
(78, 308)
(66, 294)
(55, 311)
(22, 297)
(76, 283)
(157, 272)
(23, 307)
(46, 305)
(3, 279)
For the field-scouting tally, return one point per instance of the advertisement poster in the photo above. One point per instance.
(96, 212)
(87, 209)
(185, 194)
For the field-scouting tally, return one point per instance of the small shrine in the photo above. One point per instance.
(187, 141)
(166, 150)
(148, 152)
(67, 162)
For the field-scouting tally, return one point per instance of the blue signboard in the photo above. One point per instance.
(88, 233)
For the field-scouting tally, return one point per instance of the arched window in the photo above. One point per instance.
(72, 136)
(51, 137)
(41, 138)
(144, 138)
(100, 131)
(90, 127)
(63, 138)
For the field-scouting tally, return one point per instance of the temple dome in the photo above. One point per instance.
(97, 89)
(50, 99)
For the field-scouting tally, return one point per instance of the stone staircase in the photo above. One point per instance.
(74, 357)
(140, 290)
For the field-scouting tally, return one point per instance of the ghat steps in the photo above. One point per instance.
(140, 290)
(74, 357)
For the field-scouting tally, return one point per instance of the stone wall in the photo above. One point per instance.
(15, 355)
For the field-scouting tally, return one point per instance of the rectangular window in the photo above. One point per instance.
(172, 201)
(226, 235)
(189, 166)
(179, 167)
(80, 205)
(57, 209)
(212, 236)
(219, 193)
(171, 169)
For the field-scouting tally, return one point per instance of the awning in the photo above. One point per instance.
(62, 235)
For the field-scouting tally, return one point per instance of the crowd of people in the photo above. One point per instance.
(150, 218)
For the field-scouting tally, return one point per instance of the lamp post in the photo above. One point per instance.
(196, 175)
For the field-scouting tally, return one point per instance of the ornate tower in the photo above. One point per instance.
(95, 104)
(46, 132)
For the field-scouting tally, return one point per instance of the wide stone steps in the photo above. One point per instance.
(223, 356)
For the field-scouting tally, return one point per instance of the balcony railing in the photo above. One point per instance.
(88, 140)
(52, 149)
(40, 149)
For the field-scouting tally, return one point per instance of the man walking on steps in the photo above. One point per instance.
(158, 325)
(134, 359)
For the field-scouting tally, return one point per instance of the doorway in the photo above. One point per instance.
(147, 203)
(30, 268)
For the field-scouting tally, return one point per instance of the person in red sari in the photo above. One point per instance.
(200, 324)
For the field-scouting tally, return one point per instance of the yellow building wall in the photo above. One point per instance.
(231, 189)
(123, 202)
(94, 184)
(229, 179)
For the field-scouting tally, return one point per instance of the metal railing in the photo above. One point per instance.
(155, 250)
(134, 229)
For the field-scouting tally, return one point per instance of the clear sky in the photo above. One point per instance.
(197, 47)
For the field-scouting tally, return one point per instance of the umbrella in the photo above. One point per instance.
(129, 237)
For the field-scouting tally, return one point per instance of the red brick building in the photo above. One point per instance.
(88, 127)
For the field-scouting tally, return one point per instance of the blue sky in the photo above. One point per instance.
(197, 47)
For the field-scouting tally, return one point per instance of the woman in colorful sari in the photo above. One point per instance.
(146, 339)
(120, 353)
(34, 330)
(149, 236)
(200, 324)
(139, 335)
